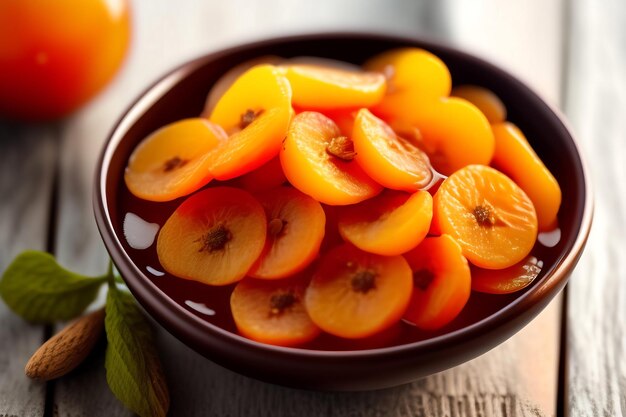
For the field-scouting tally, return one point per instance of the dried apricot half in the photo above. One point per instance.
(229, 77)
(319, 161)
(356, 294)
(295, 229)
(255, 112)
(213, 237)
(273, 311)
(507, 280)
(415, 77)
(324, 87)
(454, 134)
(389, 159)
(389, 224)
(441, 282)
(486, 101)
(173, 161)
(515, 157)
(489, 215)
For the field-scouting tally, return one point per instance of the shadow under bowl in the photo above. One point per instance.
(182, 93)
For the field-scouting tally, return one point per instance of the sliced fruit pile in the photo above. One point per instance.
(356, 197)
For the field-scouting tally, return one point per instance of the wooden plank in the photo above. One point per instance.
(78, 246)
(27, 165)
(517, 378)
(596, 314)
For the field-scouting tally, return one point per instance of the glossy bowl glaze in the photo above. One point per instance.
(182, 93)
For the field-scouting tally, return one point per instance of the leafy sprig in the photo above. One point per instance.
(39, 290)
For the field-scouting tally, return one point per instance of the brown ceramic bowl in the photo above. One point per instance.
(329, 364)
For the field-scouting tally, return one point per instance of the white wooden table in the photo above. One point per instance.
(568, 361)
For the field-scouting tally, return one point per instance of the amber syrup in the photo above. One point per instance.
(140, 221)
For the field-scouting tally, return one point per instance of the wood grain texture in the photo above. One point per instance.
(596, 106)
(492, 385)
(85, 391)
(517, 378)
(27, 165)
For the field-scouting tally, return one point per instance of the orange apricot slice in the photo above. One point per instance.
(507, 280)
(255, 111)
(515, 157)
(319, 161)
(415, 77)
(264, 178)
(272, 311)
(355, 294)
(325, 87)
(295, 229)
(390, 160)
(489, 215)
(213, 237)
(455, 134)
(441, 280)
(229, 77)
(486, 101)
(173, 161)
(389, 224)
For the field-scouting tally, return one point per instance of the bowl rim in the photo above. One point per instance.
(148, 294)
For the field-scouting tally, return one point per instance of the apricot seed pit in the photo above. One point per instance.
(174, 163)
(248, 117)
(483, 216)
(341, 147)
(363, 281)
(215, 239)
(281, 301)
(422, 278)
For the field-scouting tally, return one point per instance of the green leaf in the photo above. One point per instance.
(118, 279)
(37, 288)
(133, 369)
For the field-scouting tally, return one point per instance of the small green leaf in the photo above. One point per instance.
(118, 279)
(133, 369)
(37, 288)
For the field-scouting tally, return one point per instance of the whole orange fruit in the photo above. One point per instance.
(56, 55)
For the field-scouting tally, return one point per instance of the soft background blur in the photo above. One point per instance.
(573, 52)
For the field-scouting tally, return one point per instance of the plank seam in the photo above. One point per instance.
(562, 410)
(49, 408)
